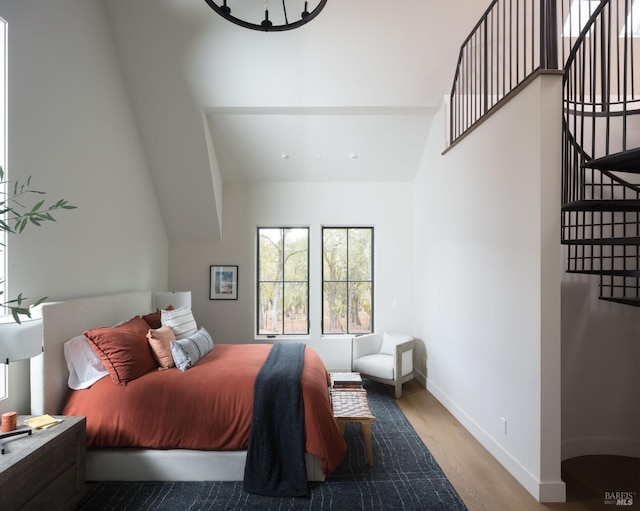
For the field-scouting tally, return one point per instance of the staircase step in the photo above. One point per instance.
(615, 273)
(635, 302)
(604, 241)
(603, 205)
(625, 161)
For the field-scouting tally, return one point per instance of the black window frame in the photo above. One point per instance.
(259, 282)
(348, 281)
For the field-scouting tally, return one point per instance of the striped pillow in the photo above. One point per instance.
(181, 321)
(186, 352)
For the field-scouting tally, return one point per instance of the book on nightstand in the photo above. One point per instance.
(346, 380)
(41, 421)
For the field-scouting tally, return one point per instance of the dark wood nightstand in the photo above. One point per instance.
(44, 470)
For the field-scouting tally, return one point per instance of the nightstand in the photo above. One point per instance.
(44, 470)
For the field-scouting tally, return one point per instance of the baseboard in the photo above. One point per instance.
(592, 446)
(548, 491)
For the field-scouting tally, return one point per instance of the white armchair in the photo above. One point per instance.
(386, 358)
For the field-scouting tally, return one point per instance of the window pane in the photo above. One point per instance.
(360, 308)
(296, 254)
(3, 381)
(360, 254)
(270, 250)
(283, 281)
(579, 14)
(295, 308)
(335, 308)
(334, 243)
(347, 275)
(4, 369)
(270, 308)
(632, 24)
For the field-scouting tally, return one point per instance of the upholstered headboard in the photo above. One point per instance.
(62, 321)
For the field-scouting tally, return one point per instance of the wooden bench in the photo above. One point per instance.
(352, 405)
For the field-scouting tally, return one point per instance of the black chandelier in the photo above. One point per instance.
(265, 24)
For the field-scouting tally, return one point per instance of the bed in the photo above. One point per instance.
(63, 321)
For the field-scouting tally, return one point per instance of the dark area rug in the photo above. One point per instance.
(405, 477)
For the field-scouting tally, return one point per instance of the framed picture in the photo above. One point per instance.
(224, 283)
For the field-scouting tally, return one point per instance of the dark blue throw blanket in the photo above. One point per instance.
(275, 456)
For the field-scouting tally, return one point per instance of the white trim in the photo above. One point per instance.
(543, 491)
(4, 381)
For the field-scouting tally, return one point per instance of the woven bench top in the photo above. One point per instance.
(351, 404)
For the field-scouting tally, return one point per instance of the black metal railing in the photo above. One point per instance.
(600, 186)
(593, 43)
(512, 40)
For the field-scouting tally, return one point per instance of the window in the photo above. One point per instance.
(283, 281)
(581, 11)
(632, 25)
(347, 280)
(3, 138)
(4, 374)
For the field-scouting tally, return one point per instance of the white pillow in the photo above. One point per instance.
(85, 368)
(390, 341)
(180, 320)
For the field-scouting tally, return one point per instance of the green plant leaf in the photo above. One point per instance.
(37, 206)
(14, 211)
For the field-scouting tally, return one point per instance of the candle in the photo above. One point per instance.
(9, 421)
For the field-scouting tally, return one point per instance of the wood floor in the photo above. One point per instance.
(483, 484)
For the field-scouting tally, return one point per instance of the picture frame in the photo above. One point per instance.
(223, 282)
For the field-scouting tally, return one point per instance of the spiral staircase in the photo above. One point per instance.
(597, 52)
(601, 154)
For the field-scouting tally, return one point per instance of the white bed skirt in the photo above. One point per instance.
(175, 465)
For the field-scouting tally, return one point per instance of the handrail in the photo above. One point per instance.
(599, 100)
(512, 40)
(583, 35)
(599, 62)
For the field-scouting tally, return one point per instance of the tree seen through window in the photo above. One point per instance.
(283, 281)
(347, 280)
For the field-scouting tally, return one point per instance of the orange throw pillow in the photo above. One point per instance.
(123, 349)
(160, 342)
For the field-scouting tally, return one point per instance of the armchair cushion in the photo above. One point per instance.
(378, 365)
(390, 341)
(367, 344)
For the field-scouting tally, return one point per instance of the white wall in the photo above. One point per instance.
(488, 282)
(600, 349)
(71, 128)
(600, 377)
(386, 206)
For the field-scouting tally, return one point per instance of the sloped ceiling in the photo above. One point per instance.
(319, 144)
(348, 97)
